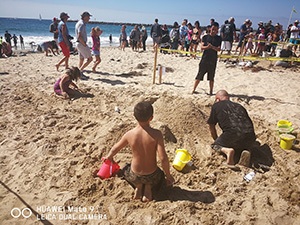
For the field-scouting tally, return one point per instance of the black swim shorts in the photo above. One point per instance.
(153, 179)
(229, 140)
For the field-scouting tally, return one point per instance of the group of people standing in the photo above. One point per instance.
(63, 37)
(6, 45)
(264, 39)
(184, 37)
(62, 34)
(14, 38)
(137, 38)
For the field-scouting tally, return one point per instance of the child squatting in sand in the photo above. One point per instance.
(65, 87)
(145, 142)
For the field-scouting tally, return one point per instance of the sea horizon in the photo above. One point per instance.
(36, 31)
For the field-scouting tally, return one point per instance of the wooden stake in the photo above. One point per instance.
(155, 62)
(160, 74)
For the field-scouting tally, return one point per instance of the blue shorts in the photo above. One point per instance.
(95, 52)
(294, 41)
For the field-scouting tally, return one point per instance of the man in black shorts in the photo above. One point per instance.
(237, 128)
(211, 44)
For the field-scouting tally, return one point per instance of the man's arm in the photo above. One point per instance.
(210, 46)
(80, 39)
(213, 131)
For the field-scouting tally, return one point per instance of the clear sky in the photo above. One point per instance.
(167, 11)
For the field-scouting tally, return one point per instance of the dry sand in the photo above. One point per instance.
(50, 147)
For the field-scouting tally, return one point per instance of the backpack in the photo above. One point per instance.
(227, 29)
(132, 34)
(175, 35)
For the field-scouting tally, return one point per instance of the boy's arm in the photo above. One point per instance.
(117, 147)
(163, 157)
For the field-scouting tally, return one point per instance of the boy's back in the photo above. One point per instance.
(144, 143)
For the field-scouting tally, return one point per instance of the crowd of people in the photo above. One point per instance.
(264, 38)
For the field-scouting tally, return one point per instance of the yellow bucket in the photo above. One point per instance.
(182, 157)
(286, 141)
(284, 126)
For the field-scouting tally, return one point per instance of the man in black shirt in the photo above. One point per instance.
(237, 127)
(211, 44)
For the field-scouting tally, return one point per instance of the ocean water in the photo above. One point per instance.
(35, 30)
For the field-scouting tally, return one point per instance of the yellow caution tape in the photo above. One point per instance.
(250, 58)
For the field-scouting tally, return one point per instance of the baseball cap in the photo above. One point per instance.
(296, 21)
(85, 14)
(247, 21)
(64, 15)
(54, 19)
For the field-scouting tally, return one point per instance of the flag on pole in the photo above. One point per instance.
(294, 10)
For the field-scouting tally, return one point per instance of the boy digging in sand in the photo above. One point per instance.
(145, 142)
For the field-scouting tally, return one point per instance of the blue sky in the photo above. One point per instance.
(166, 11)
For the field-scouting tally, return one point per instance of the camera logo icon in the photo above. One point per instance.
(25, 213)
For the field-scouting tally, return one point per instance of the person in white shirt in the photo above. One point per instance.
(295, 34)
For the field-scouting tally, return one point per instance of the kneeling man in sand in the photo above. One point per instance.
(237, 129)
(145, 143)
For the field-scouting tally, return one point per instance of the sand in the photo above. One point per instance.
(50, 147)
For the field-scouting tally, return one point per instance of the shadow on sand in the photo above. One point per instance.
(178, 194)
(34, 213)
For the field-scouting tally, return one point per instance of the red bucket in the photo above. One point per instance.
(108, 169)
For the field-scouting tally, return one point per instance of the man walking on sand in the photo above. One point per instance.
(237, 129)
(81, 35)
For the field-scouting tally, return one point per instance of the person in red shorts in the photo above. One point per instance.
(63, 41)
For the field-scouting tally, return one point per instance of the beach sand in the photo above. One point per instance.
(50, 147)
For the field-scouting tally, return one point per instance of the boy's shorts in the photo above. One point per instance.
(152, 179)
(208, 68)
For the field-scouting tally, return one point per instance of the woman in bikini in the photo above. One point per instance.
(195, 38)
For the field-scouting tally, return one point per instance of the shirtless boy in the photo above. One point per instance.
(145, 142)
